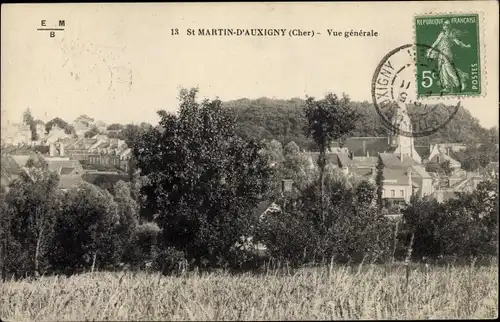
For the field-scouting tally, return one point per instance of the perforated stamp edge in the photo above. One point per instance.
(482, 54)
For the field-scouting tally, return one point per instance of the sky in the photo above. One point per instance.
(120, 62)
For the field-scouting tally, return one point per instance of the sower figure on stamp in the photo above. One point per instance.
(449, 76)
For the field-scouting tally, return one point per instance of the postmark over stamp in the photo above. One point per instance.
(448, 62)
(394, 93)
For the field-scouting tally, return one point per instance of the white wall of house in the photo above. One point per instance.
(426, 187)
(396, 191)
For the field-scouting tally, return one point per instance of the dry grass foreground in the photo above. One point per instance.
(368, 292)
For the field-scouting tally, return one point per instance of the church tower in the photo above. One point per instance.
(401, 141)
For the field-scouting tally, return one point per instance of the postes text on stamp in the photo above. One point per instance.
(449, 60)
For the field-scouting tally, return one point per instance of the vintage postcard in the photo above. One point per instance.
(249, 161)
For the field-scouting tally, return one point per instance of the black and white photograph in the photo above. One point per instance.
(249, 161)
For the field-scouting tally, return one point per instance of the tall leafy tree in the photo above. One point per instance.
(85, 231)
(365, 193)
(33, 201)
(274, 149)
(115, 127)
(330, 119)
(291, 148)
(203, 181)
(92, 132)
(85, 119)
(68, 129)
(128, 212)
(30, 120)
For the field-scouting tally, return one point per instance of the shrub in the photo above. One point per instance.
(463, 227)
(352, 228)
(169, 260)
(142, 245)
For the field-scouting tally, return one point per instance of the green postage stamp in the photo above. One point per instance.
(448, 58)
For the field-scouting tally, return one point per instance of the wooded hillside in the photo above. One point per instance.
(283, 120)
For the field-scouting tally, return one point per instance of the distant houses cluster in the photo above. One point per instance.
(407, 169)
(70, 155)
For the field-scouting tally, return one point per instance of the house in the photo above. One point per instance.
(15, 133)
(57, 161)
(100, 142)
(79, 150)
(438, 155)
(444, 195)
(362, 146)
(21, 153)
(56, 134)
(70, 171)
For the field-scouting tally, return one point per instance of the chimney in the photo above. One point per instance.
(61, 149)
(52, 150)
(364, 147)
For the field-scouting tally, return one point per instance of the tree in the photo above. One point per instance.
(33, 202)
(85, 119)
(68, 129)
(131, 133)
(144, 126)
(379, 182)
(365, 193)
(330, 119)
(142, 246)
(477, 156)
(445, 168)
(115, 127)
(30, 120)
(86, 231)
(493, 135)
(4, 233)
(128, 212)
(291, 148)
(38, 162)
(203, 181)
(296, 168)
(92, 132)
(466, 226)
(274, 150)
(425, 219)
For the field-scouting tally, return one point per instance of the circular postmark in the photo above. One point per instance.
(96, 70)
(395, 95)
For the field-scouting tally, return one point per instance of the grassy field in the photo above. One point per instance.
(334, 292)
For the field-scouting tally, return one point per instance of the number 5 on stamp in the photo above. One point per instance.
(450, 62)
